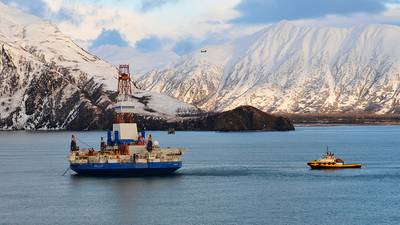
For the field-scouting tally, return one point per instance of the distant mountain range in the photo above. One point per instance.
(291, 68)
(49, 82)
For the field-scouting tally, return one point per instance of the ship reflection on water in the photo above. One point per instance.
(128, 195)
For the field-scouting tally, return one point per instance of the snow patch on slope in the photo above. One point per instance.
(45, 41)
(158, 105)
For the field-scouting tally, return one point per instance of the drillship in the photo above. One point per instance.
(127, 152)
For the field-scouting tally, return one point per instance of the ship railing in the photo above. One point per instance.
(155, 156)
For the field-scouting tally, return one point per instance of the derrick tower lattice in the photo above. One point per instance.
(124, 107)
(124, 82)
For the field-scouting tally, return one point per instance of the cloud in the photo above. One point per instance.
(44, 9)
(184, 25)
(35, 7)
(85, 20)
(143, 23)
(267, 11)
(390, 16)
(65, 15)
(149, 44)
(165, 22)
(148, 5)
(185, 46)
(109, 37)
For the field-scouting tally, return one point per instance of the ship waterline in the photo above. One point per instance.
(130, 169)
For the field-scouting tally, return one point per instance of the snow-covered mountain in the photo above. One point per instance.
(49, 82)
(288, 67)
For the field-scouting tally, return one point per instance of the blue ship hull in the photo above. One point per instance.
(126, 169)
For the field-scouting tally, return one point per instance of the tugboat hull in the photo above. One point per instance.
(126, 169)
(334, 166)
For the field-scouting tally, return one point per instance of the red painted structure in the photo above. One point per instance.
(124, 92)
(124, 80)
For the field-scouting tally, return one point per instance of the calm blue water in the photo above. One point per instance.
(228, 178)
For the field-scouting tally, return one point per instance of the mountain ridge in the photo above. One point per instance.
(48, 82)
(292, 68)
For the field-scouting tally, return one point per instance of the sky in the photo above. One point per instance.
(180, 26)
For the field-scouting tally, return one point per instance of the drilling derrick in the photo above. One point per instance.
(124, 107)
(124, 82)
(124, 127)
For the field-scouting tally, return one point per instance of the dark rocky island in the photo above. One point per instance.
(243, 118)
(250, 118)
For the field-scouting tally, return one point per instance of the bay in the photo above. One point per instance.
(227, 178)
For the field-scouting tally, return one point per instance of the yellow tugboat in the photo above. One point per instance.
(329, 161)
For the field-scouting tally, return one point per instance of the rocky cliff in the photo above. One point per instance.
(41, 95)
(49, 82)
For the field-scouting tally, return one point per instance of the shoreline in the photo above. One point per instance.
(297, 120)
(295, 125)
(343, 124)
(347, 119)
